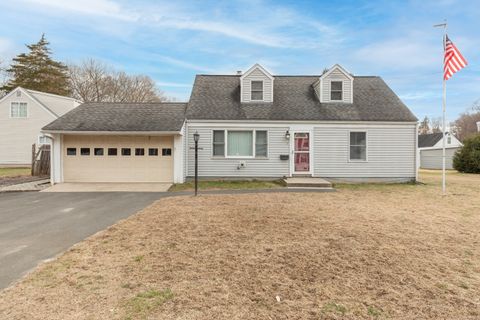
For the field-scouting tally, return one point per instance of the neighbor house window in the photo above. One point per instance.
(358, 146)
(112, 151)
(43, 140)
(261, 144)
(71, 151)
(257, 90)
(84, 151)
(166, 152)
(126, 152)
(98, 151)
(153, 152)
(18, 110)
(139, 151)
(219, 143)
(336, 90)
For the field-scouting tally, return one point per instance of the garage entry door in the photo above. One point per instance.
(117, 158)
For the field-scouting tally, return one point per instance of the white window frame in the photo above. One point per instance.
(11, 107)
(366, 146)
(40, 143)
(251, 90)
(254, 137)
(341, 81)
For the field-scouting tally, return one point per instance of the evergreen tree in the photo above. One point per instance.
(36, 70)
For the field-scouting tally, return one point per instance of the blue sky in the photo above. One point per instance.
(171, 41)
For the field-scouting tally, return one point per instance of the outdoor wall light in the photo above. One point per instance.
(196, 136)
(287, 135)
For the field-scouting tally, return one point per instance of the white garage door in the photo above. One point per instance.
(432, 159)
(117, 158)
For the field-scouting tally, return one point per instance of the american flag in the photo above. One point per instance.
(454, 61)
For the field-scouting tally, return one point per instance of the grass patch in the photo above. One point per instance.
(227, 184)
(138, 258)
(333, 307)
(14, 172)
(140, 306)
(374, 312)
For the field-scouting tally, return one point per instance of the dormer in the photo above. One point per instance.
(335, 86)
(256, 85)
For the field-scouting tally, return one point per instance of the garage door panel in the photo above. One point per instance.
(118, 168)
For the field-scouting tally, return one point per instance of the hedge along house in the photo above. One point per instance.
(333, 125)
(254, 125)
(119, 142)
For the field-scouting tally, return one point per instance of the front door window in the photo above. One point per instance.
(302, 151)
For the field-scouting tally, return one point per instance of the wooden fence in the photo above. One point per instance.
(41, 160)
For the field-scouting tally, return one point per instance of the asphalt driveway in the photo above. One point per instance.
(36, 226)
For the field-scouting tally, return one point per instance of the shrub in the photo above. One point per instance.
(467, 159)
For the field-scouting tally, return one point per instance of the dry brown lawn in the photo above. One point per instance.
(364, 252)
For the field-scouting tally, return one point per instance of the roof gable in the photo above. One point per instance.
(32, 98)
(256, 66)
(334, 68)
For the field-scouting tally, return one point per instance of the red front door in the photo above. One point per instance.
(301, 151)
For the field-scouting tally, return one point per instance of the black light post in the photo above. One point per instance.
(196, 137)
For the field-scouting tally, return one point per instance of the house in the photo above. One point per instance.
(251, 125)
(430, 149)
(23, 113)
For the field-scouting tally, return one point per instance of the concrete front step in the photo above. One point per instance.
(296, 182)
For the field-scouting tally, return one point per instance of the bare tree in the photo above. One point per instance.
(436, 125)
(424, 126)
(3, 77)
(466, 124)
(93, 81)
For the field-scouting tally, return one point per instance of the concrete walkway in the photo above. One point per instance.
(27, 186)
(108, 187)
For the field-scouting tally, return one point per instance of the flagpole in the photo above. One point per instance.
(444, 106)
(444, 187)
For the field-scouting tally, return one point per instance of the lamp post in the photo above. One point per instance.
(196, 137)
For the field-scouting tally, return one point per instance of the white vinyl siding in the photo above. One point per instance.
(257, 75)
(432, 159)
(18, 110)
(326, 89)
(261, 166)
(390, 148)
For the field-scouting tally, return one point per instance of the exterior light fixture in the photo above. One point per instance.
(287, 135)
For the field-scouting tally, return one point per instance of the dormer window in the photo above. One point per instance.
(336, 90)
(257, 90)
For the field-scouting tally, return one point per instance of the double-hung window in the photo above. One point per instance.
(18, 110)
(336, 90)
(257, 90)
(240, 143)
(358, 146)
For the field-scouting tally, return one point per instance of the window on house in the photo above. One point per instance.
(112, 151)
(126, 152)
(166, 152)
(358, 146)
(84, 151)
(449, 139)
(43, 140)
(219, 143)
(71, 151)
(261, 144)
(336, 90)
(240, 143)
(257, 90)
(18, 110)
(139, 151)
(153, 151)
(98, 151)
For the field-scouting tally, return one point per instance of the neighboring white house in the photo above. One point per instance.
(23, 113)
(251, 125)
(430, 149)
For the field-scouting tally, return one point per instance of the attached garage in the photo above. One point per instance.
(119, 143)
(117, 158)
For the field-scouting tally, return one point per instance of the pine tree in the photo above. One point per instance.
(36, 70)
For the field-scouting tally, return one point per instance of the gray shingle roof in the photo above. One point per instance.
(429, 140)
(218, 98)
(101, 116)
